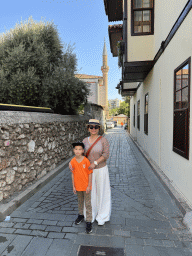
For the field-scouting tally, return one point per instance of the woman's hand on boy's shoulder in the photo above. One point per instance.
(70, 167)
(92, 166)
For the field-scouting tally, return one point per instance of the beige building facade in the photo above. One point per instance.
(156, 72)
(120, 118)
(98, 85)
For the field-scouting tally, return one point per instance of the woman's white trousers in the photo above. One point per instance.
(101, 195)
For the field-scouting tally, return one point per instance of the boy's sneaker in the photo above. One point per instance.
(88, 227)
(79, 219)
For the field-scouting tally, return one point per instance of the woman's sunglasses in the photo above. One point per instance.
(96, 127)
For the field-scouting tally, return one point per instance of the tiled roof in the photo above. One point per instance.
(83, 76)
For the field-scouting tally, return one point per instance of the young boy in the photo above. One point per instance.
(82, 181)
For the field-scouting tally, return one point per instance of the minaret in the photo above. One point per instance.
(104, 88)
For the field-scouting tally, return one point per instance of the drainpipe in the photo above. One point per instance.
(125, 29)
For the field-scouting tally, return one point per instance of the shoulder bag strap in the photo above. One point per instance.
(88, 151)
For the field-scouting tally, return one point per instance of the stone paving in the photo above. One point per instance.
(144, 220)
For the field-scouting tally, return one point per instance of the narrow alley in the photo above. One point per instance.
(144, 221)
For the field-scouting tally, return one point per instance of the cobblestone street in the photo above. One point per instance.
(144, 221)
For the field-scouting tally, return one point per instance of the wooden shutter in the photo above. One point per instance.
(180, 132)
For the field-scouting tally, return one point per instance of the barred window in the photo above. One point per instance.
(181, 109)
(142, 21)
(146, 114)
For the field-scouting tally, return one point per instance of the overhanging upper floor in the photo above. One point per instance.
(136, 71)
(115, 35)
(114, 9)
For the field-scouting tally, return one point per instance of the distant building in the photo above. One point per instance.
(98, 85)
(120, 118)
(93, 82)
(114, 103)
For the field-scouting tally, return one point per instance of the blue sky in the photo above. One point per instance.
(80, 22)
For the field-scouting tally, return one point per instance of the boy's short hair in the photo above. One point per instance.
(78, 143)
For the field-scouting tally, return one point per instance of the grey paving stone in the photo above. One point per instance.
(60, 247)
(22, 225)
(56, 235)
(38, 227)
(5, 241)
(179, 244)
(168, 243)
(70, 218)
(34, 221)
(23, 232)
(65, 223)
(7, 230)
(69, 230)
(188, 244)
(71, 236)
(153, 242)
(171, 251)
(122, 233)
(53, 229)
(39, 233)
(138, 234)
(130, 240)
(104, 231)
(49, 222)
(17, 246)
(117, 242)
(99, 240)
(37, 247)
(6, 224)
(139, 241)
(150, 251)
(134, 250)
(19, 220)
(159, 236)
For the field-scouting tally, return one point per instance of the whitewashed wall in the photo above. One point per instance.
(160, 84)
(94, 90)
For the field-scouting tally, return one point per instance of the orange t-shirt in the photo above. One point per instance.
(81, 173)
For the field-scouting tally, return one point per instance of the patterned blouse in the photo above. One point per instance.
(100, 149)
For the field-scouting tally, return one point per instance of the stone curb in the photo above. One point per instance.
(7, 209)
(175, 195)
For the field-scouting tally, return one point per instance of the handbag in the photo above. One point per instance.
(88, 151)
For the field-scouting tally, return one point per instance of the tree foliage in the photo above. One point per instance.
(37, 70)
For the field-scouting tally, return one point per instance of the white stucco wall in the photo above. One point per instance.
(93, 84)
(139, 48)
(166, 14)
(142, 48)
(160, 85)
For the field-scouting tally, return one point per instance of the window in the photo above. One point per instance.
(142, 17)
(146, 114)
(138, 115)
(181, 109)
(134, 116)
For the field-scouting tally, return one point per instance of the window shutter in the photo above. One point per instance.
(146, 123)
(180, 132)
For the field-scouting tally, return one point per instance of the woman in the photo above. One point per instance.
(101, 191)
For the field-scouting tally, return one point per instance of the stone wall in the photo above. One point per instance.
(32, 144)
